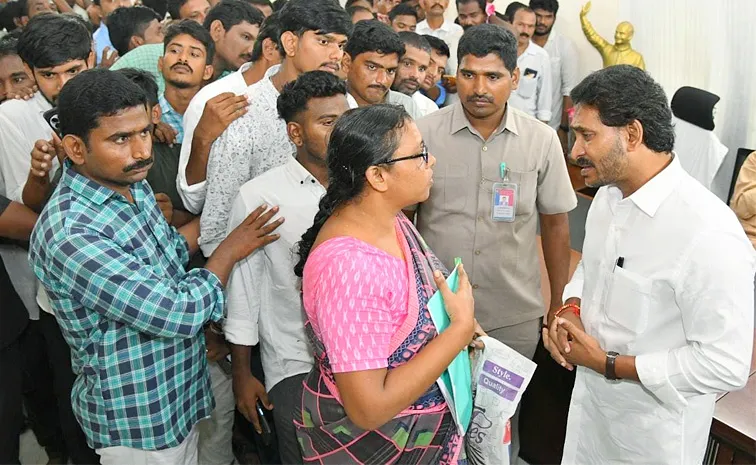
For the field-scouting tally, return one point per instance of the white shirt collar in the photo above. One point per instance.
(651, 195)
(299, 173)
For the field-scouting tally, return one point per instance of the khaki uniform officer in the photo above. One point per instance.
(497, 171)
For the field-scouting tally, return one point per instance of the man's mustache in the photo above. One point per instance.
(139, 165)
(186, 65)
(583, 162)
(480, 98)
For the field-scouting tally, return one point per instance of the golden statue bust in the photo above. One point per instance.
(619, 53)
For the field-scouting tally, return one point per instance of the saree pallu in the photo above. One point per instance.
(425, 432)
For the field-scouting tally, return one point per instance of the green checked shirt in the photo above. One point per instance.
(145, 58)
(132, 315)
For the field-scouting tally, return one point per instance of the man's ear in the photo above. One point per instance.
(634, 135)
(75, 149)
(294, 130)
(135, 41)
(208, 74)
(346, 63)
(289, 42)
(515, 78)
(157, 113)
(217, 31)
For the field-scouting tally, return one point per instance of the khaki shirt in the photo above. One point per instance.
(500, 258)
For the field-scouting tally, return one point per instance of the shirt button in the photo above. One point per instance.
(485, 148)
(475, 286)
(477, 252)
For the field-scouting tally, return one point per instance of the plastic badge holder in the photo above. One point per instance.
(456, 381)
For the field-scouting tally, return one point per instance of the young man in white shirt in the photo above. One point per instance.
(659, 314)
(214, 108)
(533, 94)
(263, 299)
(371, 60)
(565, 64)
(437, 25)
(413, 67)
(54, 49)
(313, 37)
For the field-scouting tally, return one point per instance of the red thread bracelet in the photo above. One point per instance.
(574, 308)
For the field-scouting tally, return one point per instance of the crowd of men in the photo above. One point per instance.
(172, 153)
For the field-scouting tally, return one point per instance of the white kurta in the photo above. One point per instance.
(682, 303)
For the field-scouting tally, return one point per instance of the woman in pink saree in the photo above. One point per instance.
(372, 396)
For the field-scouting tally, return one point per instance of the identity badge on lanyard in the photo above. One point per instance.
(504, 197)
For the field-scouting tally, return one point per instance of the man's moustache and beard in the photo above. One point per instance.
(180, 83)
(610, 167)
(542, 30)
(379, 87)
(407, 86)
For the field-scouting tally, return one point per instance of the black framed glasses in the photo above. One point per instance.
(423, 155)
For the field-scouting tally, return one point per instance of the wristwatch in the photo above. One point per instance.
(609, 371)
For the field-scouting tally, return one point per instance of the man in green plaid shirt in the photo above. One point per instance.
(115, 273)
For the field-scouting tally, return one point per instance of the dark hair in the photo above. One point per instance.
(402, 9)
(413, 39)
(194, 30)
(93, 94)
(552, 6)
(361, 138)
(352, 10)
(8, 13)
(278, 4)
(374, 36)
(484, 39)
(145, 81)
(623, 94)
(158, 6)
(52, 40)
(314, 84)
(125, 23)
(233, 12)
(174, 8)
(439, 45)
(325, 16)
(512, 10)
(8, 46)
(270, 29)
(481, 4)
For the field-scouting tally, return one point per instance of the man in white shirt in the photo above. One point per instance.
(313, 36)
(437, 25)
(533, 94)
(263, 299)
(665, 285)
(54, 49)
(565, 63)
(413, 66)
(371, 59)
(214, 108)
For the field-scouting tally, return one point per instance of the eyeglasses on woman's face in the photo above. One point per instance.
(424, 155)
